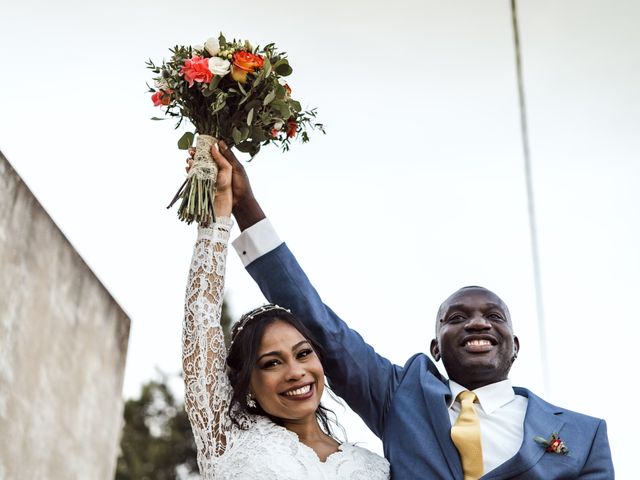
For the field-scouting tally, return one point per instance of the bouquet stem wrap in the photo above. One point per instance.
(198, 190)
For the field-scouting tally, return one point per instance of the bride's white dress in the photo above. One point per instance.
(260, 449)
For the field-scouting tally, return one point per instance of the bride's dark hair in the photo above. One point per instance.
(241, 359)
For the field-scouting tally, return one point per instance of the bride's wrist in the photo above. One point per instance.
(222, 207)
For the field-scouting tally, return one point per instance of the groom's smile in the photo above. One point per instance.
(479, 343)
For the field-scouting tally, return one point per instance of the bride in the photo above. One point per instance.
(255, 411)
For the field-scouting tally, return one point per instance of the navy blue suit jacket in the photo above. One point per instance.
(407, 406)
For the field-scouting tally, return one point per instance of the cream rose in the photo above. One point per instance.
(219, 66)
(212, 46)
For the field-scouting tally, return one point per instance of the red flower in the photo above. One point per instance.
(287, 88)
(161, 97)
(275, 132)
(556, 446)
(292, 128)
(553, 445)
(196, 70)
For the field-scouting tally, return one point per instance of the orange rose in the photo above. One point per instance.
(247, 61)
(238, 74)
(196, 70)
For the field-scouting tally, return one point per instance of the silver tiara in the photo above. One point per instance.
(247, 317)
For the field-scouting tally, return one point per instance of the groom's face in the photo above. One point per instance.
(474, 337)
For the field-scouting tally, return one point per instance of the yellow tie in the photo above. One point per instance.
(466, 437)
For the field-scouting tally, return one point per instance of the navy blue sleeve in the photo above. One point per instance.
(599, 465)
(364, 379)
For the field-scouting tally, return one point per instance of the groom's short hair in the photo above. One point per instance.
(444, 304)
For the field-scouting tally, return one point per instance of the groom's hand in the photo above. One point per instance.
(246, 209)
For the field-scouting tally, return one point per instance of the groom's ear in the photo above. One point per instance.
(435, 350)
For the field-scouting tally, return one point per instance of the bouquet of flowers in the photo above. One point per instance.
(229, 91)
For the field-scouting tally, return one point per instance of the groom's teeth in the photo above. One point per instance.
(298, 391)
(478, 342)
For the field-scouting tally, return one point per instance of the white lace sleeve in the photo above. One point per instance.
(207, 389)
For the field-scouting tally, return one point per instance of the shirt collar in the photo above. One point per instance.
(491, 397)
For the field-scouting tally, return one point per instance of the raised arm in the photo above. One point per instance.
(356, 372)
(207, 389)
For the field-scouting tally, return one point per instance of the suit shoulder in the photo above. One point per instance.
(570, 415)
(419, 362)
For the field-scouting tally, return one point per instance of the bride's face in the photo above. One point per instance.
(288, 379)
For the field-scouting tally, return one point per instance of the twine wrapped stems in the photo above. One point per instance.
(198, 190)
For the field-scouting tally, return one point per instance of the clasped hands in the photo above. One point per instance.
(233, 190)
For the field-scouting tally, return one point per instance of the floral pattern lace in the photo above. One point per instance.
(259, 449)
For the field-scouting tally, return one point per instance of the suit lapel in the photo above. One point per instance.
(541, 420)
(437, 396)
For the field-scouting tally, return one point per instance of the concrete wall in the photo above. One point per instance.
(63, 342)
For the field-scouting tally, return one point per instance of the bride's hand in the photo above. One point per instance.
(223, 202)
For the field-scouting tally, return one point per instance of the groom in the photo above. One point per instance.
(473, 425)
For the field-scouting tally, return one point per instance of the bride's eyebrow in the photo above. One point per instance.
(276, 353)
(279, 353)
(299, 344)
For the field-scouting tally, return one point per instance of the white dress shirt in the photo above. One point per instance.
(500, 410)
(501, 413)
(257, 240)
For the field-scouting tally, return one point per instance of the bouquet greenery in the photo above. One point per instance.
(229, 91)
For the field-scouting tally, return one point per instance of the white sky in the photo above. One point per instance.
(417, 189)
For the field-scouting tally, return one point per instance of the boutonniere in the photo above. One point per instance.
(553, 445)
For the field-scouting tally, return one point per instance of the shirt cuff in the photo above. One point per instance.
(256, 241)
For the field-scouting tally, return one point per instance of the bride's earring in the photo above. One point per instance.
(251, 403)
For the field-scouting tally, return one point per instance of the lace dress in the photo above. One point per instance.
(260, 450)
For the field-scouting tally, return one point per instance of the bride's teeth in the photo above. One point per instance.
(299, 391)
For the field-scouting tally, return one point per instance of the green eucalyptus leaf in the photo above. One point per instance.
(236, 135)
(254, 151)
(269, 98)
(244, 131)
(258, 80)
(267, 67)
(295, 105)
(245, 147)
(255, 104)
(220, 102)
(250, 117)
(244, 92)
(283, 68)
(186, 140)
(282, 107)
(258, 134)
(215, 82)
